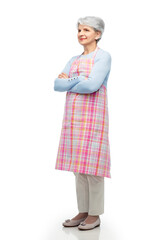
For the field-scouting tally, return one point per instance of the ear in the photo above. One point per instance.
(98, 35)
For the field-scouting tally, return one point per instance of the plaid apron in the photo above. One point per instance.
(84, 143)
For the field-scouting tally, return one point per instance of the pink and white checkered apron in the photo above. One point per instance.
(84, 144)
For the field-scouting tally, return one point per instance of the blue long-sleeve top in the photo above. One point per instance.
(78, 84)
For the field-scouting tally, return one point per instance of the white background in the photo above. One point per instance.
(37, 39)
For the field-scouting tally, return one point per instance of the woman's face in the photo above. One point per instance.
(87, 35)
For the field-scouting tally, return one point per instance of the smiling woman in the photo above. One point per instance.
(94, 23)
(87, 36)
(84, 142)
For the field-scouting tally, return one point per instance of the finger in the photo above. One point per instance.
(60, 76)
(64, 75)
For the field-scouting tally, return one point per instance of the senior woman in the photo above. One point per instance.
(84, 141)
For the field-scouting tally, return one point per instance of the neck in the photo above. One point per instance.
(89, 48)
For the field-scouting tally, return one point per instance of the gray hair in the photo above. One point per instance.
(95, 22)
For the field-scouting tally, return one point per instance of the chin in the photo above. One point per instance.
(83, 44)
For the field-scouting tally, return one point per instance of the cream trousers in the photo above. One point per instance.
(90, 193)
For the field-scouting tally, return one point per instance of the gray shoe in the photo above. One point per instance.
(73, 223)
(85, 226)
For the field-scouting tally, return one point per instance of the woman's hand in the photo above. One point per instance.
(63, 75)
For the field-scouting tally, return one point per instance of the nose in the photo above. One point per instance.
(81, 33)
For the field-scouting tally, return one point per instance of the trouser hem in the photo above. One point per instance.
(95, 213)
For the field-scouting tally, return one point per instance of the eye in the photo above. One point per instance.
(87, 30)
(79, 30)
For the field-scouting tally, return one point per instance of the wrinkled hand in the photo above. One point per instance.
(63, 75)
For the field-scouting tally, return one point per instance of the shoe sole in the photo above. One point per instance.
(71, 226)
(88, 228)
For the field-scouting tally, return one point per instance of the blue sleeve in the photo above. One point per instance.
(64, 84)
(99, 72)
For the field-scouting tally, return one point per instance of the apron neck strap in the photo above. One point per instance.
(95, 51)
